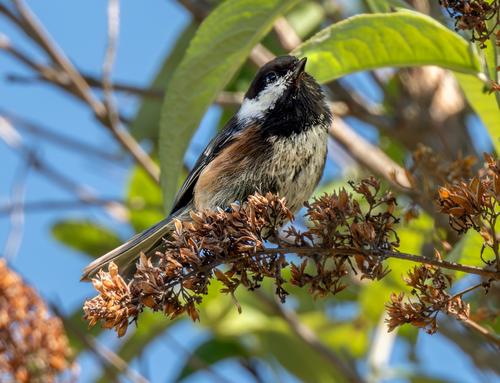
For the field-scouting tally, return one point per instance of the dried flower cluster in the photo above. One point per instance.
(474, 16)
(429, 285)
(232, 246)
(175, 279)
(471, 203)
(474, 204)
(350, 232)
(33, 344)
(430, 169)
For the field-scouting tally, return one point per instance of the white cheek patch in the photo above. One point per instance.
(255, 108)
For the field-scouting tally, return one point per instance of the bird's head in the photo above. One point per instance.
(282, 89)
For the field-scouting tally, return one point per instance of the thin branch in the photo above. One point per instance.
(104, 354)
(15, 235)
(50, 205)
(288, 38)
(8, 134)
(28, 23)
(483, 331)
(57, 138)
(109, 60)
(369, 155)
(34, 29)
(359, 107)
(310, 251)
(260, 55)
(310, 338)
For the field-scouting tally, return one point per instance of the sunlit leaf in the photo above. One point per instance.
(306, 17)
(372, 41)
(86, 236)
(468, 252)
(147, 120)
(145, 200)
(484, 105)
(385, 5)
(220, 46)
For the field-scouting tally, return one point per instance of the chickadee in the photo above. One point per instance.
(275, 143)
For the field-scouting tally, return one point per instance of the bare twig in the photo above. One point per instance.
(287, 36)
(14, 140)
(483, 331)
(109, 59)
(369, 155)
(28, 23)
(15, 236)
(104, 354)
(51, 135)
(310, 338)
(309, 251)
(50, 205)
(260, 55)
(359, 107)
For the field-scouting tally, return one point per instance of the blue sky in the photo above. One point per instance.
(147, 32)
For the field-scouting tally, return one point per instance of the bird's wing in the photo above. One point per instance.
(225, 137)
(125, 255)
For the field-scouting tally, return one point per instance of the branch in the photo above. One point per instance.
(483, 331)
(287, 36)
(13, 140)
(37, 206)
(311, 251)
(28, 23)
(57, 138)
(310, 338)
(106, 355)
(369, 155)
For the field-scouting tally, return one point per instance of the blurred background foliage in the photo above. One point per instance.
(371, 65)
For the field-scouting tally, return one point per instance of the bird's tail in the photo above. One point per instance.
(125, 255)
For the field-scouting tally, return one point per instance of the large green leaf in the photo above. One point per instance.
(484, 105)
(385, 5)
(147, 120)
(86, 236)
(307, 365)
(372, 41)
(145, 200)
(220, 46)
(212, 351)
(306, 17)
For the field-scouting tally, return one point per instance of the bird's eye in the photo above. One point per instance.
(271, 77)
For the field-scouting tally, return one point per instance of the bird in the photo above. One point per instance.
(276, 142)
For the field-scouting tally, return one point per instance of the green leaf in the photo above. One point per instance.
(145, 200)
(86, 236)
(467, 252)
(492, 52)
(484, 105)
(220, 46)
(385, 5)
(147, 119)
(213, 351)
(306, 17)
(372, 41)
(306, 364)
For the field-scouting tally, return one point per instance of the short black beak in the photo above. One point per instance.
(299, 68)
